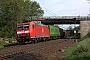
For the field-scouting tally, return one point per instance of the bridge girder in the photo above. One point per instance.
(59, 21)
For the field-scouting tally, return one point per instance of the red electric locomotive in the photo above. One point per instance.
(31, 31)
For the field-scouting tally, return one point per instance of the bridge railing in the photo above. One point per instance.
(60, 17)
(85, 18)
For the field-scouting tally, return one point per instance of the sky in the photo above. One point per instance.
(64, 7)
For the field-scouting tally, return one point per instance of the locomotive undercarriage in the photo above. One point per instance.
(32, 40)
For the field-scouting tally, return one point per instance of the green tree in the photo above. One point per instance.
(32, 8)
(77, 28)
(13, 11)
(70, 28)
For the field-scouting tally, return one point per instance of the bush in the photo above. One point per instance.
(10, 41)
(2, 43)
(81, 56)
(6, 31)
(78, 51)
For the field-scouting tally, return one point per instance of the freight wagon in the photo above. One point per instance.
(30, 31)
(77, 34)
(72, 34)
(62, 33)
(55, 32)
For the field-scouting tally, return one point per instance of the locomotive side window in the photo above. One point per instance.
(32, 26)
(22, 26)
(26, 25)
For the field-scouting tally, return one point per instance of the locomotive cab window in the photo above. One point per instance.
(22, 26)
(26, 25)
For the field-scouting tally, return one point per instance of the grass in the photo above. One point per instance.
(4, 44)
(1, 46)
(79, 50)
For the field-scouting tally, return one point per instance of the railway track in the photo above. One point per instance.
(38, 51)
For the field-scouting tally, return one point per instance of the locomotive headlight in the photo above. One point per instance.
(26, 31)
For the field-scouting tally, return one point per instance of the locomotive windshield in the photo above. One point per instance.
(23, 26)
(26, 25)
(20, 27)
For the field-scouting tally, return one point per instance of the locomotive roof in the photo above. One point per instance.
(36, 22)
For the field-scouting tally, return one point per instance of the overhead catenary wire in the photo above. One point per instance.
(48, 11)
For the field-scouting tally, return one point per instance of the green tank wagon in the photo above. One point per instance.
(54, 31)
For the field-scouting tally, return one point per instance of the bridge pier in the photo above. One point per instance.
(84, 27)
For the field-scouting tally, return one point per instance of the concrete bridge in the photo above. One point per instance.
(84, 21)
